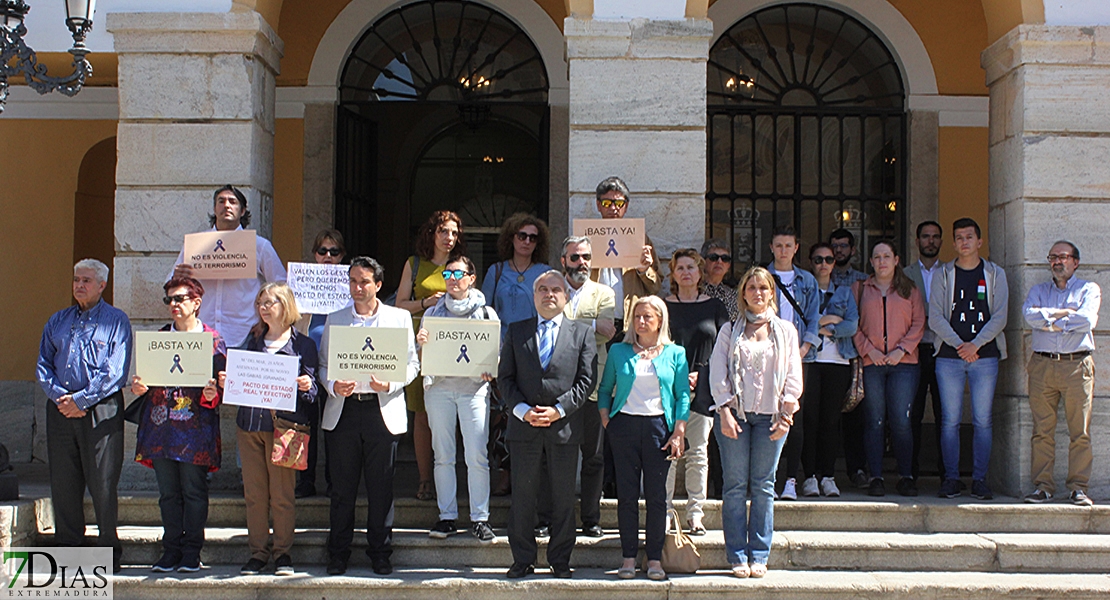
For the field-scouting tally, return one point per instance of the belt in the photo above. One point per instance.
(1065, 355)
(365, 397)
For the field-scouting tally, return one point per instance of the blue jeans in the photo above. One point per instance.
(448, 403)
(982, 375)
(888, 394)
(748, 464)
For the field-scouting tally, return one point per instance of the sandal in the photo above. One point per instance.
(426, 491)
(695, 528)
(741, 570)
(758, 570)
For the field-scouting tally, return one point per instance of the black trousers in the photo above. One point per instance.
(593, 471)
(851, 430)
(926, 386)
(637, 453)
(795, 438)
(86, 452)
(528, 460)
(307, 479)
(361, 447)
(183, 500)
(825, 387)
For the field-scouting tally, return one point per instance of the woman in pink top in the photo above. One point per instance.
(891, 322)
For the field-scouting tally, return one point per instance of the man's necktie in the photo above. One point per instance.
(547, 342)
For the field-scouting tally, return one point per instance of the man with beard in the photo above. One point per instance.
(843, 244)
(921, 272)
(590, 303)
(1063, 314)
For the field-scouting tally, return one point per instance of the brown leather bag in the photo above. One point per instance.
(680, 555)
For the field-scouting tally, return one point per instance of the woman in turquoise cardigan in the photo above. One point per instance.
(646, 389)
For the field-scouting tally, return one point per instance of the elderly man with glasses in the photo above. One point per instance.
(1063, 314)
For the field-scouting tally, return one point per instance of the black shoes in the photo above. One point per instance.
(483, 532)
(949, 488)
(561, 571)
(189, 564)
(1079, 498)
(283, 566)
(337, 565)
(381, 566)
(1039, 496)
(520, 570)
(543, 531)
(253, 567)
(443, 528)
(980, 491)
(593, 530)
(167, 564)
(876, 487)
(906, 486)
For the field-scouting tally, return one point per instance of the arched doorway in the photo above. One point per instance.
(443, 105)
(806, 128)
(94, 207)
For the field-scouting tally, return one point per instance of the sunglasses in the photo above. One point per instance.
(457, 274)
(617, 204)
(828, 260)
(332, 251)
(527, 237)
(718, 257)
(177, 299)
(577, 257)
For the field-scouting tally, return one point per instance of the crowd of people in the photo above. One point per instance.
(742, 386)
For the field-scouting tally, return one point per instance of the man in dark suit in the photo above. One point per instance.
(548, 366)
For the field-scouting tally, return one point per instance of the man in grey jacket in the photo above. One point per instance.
(968, 301)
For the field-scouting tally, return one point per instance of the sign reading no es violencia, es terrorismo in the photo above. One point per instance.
(222, 254)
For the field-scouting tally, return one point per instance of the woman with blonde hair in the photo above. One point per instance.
(644, 401)
(756, 381)
(267, 488)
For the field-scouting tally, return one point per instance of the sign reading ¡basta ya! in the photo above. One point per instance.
(261, 380)
(614, 242)
(320, 289)
(357, 353)
(171, 358)
(460, 347)
(222, 254)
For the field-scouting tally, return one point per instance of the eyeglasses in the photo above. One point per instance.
(718, 258)
(527, 237)
(322, 251)
(577, 257)
(457, 274)
(267, 304)
(828, 260)
(176, 299)
(617, 204)
(1059, 257)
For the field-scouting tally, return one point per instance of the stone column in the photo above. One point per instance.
(1049, 146)
(196, 103)
(637, 110)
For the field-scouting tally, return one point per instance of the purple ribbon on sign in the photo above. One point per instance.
(612, 249)
(462, 354)
(177, 364)
(369, 344)
(219, 246)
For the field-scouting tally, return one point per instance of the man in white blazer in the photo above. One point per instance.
(362, 422)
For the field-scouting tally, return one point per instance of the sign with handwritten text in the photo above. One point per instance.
(320, 289)
(614, 242)
(357, 353)
(460, 347)
(261, 380)
(173, 359)
(222, 254)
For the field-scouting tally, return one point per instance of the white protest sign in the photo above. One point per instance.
(261, 380)
(222, 254)
(320, 289)
(460, 347)
(357, 353)
(614, 242)
(171, 358)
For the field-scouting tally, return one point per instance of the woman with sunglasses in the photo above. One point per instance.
(507, 286)
(179, 437)
(328, 249)
(464, 400)
(719, 282)
(440, 239)
(828, 378)
(695, 319)
(267, 488)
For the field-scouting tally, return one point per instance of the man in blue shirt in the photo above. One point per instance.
(1063, 314)
(83, 362)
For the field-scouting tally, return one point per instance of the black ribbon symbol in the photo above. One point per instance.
(219, 246)
(462, 354)
(612, 249)
(369, 344)
(177, 364)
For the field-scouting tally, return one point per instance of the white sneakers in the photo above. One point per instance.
(828, 487)
(788, 490)
(809, 487)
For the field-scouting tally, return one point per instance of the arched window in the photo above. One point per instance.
(806, 128)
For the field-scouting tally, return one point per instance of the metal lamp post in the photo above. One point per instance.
(16, 58)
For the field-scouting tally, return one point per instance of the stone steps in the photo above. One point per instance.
(489, 584)
(793, 550)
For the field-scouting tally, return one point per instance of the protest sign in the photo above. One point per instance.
(320, 289)
(614, 242)
(460, 347)
(222, 254)
(173, 359)
(357, 353)
(261, 380)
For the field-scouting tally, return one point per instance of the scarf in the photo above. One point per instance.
(447, 306)
(778, 341)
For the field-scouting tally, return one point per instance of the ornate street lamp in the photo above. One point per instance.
(17, 59)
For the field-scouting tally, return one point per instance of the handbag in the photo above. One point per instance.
(134, 411)
(290, 448)
(855, 390)
(680, 555)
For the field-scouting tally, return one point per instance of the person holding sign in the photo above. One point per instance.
(628, 284)
(179, 437)
(547, 369)
(644, 401)
(461, 399)
(362, 421)
(229, 308)
(267, 488)
(421, 286)
(84, 357)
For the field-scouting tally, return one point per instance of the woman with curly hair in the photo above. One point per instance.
(507, 286)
